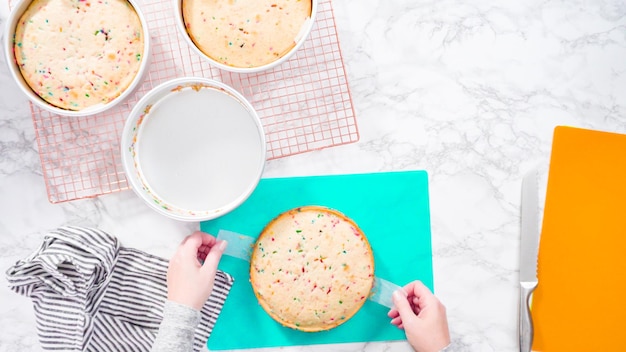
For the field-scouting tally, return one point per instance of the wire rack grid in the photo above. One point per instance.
(304, 105)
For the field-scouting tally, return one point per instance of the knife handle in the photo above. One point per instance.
(525, 319)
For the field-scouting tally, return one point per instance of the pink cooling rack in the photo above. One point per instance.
(304, 104)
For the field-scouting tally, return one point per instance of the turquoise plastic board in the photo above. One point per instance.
(391, 208)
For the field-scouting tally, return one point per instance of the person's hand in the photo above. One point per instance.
(422, 316)
(189, 282)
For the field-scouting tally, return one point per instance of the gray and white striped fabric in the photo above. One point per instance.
(91, 294)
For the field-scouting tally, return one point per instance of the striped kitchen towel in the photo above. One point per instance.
(91, 294)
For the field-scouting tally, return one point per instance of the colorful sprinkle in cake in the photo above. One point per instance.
(245, 33)
(312, 268)
(78, 53)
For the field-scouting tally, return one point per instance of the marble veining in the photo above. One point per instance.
(468, 90)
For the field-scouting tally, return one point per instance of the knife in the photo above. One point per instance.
(529, 247)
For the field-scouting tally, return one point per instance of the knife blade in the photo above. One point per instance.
(529, 248)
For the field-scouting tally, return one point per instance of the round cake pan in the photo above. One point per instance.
(8, 44)
(193, 149)
(300, 38)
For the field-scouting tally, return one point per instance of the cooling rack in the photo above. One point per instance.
(304, 105)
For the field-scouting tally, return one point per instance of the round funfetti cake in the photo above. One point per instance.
(75, 54)
(312, 268)
(245, 33)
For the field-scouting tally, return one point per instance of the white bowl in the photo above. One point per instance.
(193, 149)
(299, 40)
(7, 43)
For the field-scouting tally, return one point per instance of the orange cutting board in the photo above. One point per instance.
(580, 302)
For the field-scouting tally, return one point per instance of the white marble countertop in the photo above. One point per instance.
(468, 90)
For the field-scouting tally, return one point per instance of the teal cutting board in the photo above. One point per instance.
(391, 208)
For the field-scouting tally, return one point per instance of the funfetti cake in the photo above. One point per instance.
(312, 268)
(245, 33)
(75, 54)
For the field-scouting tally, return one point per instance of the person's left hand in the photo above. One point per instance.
(189, 282)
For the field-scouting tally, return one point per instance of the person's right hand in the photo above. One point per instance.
(422, 316)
